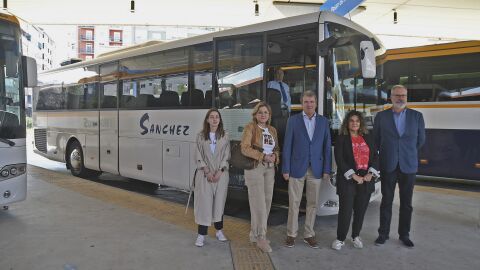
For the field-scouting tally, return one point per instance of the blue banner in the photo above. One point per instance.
(341, 7)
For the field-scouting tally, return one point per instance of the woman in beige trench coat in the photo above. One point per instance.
(211, 180)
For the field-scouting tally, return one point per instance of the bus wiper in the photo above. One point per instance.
(7, 141)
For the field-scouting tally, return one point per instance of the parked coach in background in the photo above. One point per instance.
(399, 133)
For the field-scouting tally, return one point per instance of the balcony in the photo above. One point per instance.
(115, 41)
(86, 51)
(86, 37)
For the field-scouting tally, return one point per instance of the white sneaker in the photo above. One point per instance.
(337, 244)
(357, 242)
(220, 236)
(200, 240)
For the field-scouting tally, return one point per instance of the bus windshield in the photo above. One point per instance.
(12, 117)
(346, 88)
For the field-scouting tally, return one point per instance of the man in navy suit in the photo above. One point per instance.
(399, 133)
(307, 157)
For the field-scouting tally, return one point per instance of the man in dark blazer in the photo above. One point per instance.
(399, 133)
(307, 157)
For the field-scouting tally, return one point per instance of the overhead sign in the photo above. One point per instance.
(340, 7)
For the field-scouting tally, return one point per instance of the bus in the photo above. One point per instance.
(17, 73)
(443, 83)
(136, 112)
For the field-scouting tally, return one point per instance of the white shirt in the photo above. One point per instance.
(309, 124)
(213, 141)
(268, 141)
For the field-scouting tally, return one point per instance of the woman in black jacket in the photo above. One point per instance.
(357, 163)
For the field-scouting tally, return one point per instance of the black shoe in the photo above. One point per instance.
(381, 240)
(407, 242)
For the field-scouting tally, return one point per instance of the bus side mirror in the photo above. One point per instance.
(367, 58)
(29, 69)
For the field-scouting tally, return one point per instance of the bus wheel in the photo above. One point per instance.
(75, 157)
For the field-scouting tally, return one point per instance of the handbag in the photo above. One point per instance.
(239, 160)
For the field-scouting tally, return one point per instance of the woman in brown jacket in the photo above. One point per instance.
(211, 180)
(259, 141)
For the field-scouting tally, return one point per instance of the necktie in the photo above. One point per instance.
(284, 94)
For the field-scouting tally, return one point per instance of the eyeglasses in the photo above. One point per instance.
(403, 96)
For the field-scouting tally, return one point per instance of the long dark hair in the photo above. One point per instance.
(363, 127)
(206, 126)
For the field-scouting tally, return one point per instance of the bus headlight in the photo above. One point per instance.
(5, 173)
(12, 170)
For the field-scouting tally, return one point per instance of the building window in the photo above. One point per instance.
(158, 35)
(115, 37)
(89, 34)
(88, 48)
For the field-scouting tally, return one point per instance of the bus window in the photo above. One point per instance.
(108, 95)
(51, 98)
(90, 96)
(432, 79)
(174, 82)
(240, 72)
(447, 78)
(294, 53)
(75, 97)
(81, 96)
(148, 93)
(201, 91)
(346, 88)
(108, 87)
(129, 94)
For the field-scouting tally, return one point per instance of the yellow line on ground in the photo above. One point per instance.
(244, 254)
(453, 192)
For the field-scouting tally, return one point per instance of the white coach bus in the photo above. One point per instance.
(136, 112)
(17, 73)
(443, 82)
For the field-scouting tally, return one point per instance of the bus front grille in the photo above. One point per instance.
(41, 140)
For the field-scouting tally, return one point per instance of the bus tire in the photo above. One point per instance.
(76, 162)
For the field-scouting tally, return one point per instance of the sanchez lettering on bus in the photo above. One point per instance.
(162, 129)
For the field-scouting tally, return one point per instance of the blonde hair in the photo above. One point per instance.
(257, 108)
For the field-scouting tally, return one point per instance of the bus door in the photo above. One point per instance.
(108, 122)
(291, 68)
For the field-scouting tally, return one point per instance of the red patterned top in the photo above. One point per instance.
(361, 152)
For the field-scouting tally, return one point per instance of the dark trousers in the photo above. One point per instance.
(353, 198)
(406, 183)
(203, 230)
